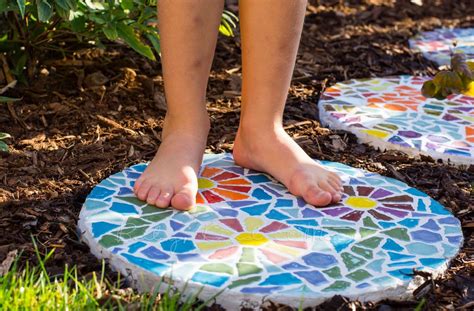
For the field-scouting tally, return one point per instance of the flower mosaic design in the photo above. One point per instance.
(276, 242)
(438, 45)
(217, 185)
(391, 113)
(259, 241)
(381, 204)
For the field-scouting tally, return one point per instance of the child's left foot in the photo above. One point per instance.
(276, 153)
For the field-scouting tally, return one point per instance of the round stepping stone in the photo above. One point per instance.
(249, 240)
(391, 113)
(437, 45)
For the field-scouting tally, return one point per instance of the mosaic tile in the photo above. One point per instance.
(391, 113)
(437, 45)
(270, 244)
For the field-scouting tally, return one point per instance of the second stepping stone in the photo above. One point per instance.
(438, 45)
(391, 113)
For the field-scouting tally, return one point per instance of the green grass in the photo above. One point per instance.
(31, 288)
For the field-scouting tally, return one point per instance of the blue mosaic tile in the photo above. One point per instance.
(101, 227)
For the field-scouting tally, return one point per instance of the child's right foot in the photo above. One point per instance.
(171, 177)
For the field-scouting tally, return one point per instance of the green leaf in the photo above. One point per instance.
(45, 10)
(429, 89)
(71, 4)
(230, 17)
(155, 41)
(96, 18)
(4, 135)
(21, 7)
(127, 4)
(225, 31)
(444, 83)
(127, 33)
(110, 31)
(228, 22)
(63, 4)
(8, 99)
(3, 146)
(228, 29)
(64, 14)
(94, 5)
(458, 80)
(452, 83)
(78, 23)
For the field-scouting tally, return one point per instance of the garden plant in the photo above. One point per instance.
(31, 28)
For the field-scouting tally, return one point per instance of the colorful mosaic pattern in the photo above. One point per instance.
(437, 45)
(391, 113)
(251, 238)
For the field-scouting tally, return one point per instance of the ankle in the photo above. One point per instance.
(253, 140)
(259, 131)
(196, 126)
(187, 120)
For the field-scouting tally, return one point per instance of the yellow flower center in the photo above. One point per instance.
(251, 239)
(204, 183)
(361, 203)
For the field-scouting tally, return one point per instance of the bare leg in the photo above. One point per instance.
(271, 30)
(188, 30)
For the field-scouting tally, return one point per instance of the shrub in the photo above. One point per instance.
(30, 27)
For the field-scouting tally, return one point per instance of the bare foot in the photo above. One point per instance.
(171, 177)
(276, 153)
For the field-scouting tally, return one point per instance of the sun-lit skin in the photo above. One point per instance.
(271, 32)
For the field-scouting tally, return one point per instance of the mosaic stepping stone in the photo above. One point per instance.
(391, 113)
(249, 240)
(437, 45)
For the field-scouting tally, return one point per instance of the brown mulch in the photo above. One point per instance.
(97, 112)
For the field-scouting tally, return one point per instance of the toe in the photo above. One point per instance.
(326, 186)
(184, 199)
(164, 198)
(153, 195)
(335, 178)
(335, 185)
(317, 197)
(336, 198)
(136, 185)
(334, 192)
(143, 189)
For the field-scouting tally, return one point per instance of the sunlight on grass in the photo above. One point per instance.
(33, 289)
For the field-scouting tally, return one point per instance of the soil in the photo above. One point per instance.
(95, 112)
